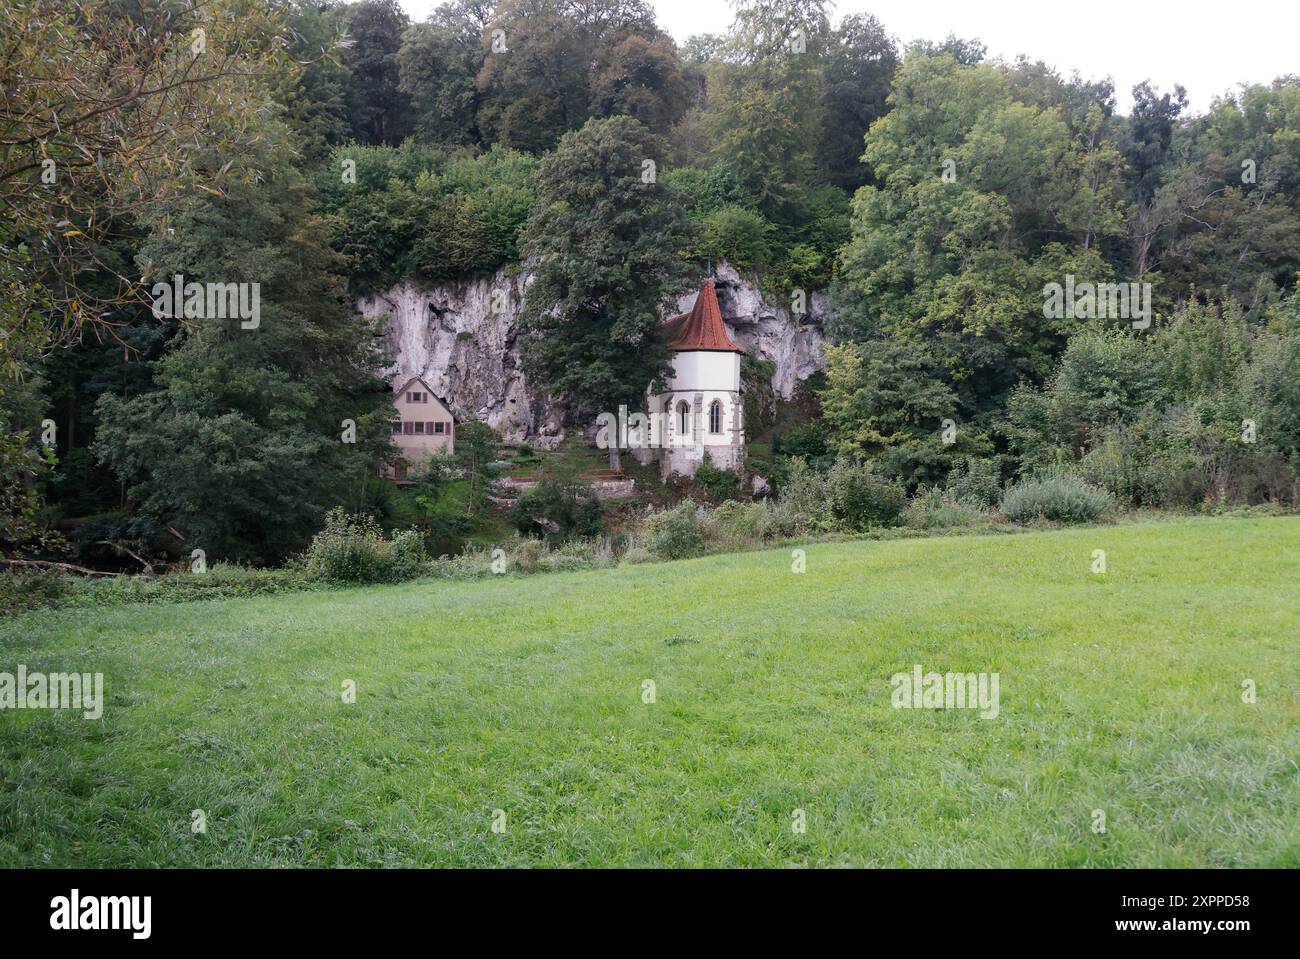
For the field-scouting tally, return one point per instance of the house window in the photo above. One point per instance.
(416, 396)
(408, 428)
(683, 414)
(397, 428)
(440, 427)
(715, 416)
(419, 429)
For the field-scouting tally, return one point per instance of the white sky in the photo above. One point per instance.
(1207, 47)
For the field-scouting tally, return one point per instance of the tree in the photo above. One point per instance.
(641, 77)
(765, 115)
(538, 77)
(606, 236)
(860, 63)
(476, 449)
(253, 433)
(104, 109)
(1146, 149)
(378, 109)
(438, 65)
(977, 203)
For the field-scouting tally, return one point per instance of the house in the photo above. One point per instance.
(700, 413)
(426, 426)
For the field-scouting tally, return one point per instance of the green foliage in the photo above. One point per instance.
(736, 525)
(566, 64)
(378, 109)
(860, 64)
(23, 590)
(860, 499)
(438, 63)
(557, 510)
(1061, 498)
(887, 400)
(804, 500)
(352, 549)
(1161, 420)
(976, 482)
(933, 508)
(715, 483)
(607, 243)
(739, 236)
(476, 447)
(676, 533)
(425, 213)
(238, 444)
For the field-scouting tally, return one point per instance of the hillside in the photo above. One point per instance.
(1120, 692)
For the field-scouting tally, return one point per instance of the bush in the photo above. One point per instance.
(803, 503)
(739, 524)
(31, 590)
(976, 482)
(578, 554)
(715, 483)
(557, 510)
(1061, 497)
(936, 509)
(352, 549)
(860, 499)
(739, 236)
(676, 533)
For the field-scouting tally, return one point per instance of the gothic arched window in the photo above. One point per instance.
(683, 418)
(715, 416)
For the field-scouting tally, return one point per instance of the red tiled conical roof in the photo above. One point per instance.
(702, 328)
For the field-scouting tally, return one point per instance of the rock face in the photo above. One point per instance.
(770, 332)
(461, 338)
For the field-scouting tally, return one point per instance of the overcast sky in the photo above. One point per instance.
(1207, 47)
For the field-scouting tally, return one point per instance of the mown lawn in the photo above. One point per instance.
(1120, 692)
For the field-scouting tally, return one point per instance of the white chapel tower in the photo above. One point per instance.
(701, 411)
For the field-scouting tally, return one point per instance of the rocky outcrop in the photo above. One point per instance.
(770, 331)
(461, 338)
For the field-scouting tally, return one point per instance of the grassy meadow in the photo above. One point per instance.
(521, 701)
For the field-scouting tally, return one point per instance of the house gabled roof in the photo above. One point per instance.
(701, 329)
(428, 389)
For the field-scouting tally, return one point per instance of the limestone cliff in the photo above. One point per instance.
(462, 339)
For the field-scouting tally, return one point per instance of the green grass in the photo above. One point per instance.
(1119, 692)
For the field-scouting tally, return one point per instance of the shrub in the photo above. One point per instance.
(1060, 497)
(739, 236)
(557, 510)
(739, 524)
(578, 554)
(976, 482)
(936, 509)
(860, 499)
(352, 549)
(803, 503)
(676, 533)
(717, 484)
(31, 590)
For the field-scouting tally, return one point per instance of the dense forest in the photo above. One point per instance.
(326, 150)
